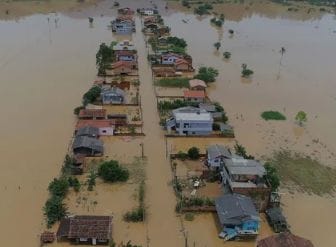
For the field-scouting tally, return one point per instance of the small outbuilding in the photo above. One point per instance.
(276, 219)
(285, 239)
(88, 146)
(92, 114)
(216, 154)
(196, 84)
(194, 96)
(86, 229)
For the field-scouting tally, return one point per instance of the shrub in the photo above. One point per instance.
(240, 150)
(111, 171)
(189, 216)
(74, 183)
(215, 127)
(181, 155)
(272, 176)
(273, 115)
(91, 95)
(136, 215)
(91, 180)
(301, 117)
(54, 210)
(78, 109)
(227, 55)
(178, 42)
(193, 153)
(59, 187)
(207, 74)
(245, 71)
(203, 9)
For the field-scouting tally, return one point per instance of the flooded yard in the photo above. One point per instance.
(47, 62)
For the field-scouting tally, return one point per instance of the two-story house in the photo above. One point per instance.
(216, 155)
(190, 121)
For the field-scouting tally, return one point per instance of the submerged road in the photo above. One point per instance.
(164, 228)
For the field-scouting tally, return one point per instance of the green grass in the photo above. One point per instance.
(173, 82)
(272, 115)
(305, 173)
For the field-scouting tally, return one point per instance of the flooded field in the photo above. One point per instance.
(47, 61)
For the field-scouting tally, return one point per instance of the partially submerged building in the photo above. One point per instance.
(126, 55)
(123, 25)
(190, 121)
(89, 131)
(148, 11)
(86, 230)
(92, 114)
(113, 96)
(196, 84)
(285, 239)
(216, 155)
(124, 67)
(87, 146)
(106, 127)
(238, 217)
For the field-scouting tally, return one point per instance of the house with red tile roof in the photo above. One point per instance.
(194, 96)
(124, 67)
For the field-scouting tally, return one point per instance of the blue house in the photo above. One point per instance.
(238, 217)
(123, 25)
(190, 121)
(113, 96)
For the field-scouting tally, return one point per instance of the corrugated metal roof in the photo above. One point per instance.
(244, 167)
(216, 150)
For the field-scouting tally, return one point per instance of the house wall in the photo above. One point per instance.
(194, 127)
(86, 151)
(126, 58)
(215, 163)
(182, 67)
(197, 88)
(122, 70)
(123, 27)
(169, 59)
(112, 99)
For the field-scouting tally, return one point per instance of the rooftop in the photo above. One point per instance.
(233, 209)
(216, 150)
(101, 113)
(88, 142)
(191, 114)
(197, 83)
(194, 94)
(98, 227)
(244, 167)
(285, 239)
(95, 123)
(87, 131)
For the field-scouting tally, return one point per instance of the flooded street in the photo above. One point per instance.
(47, 61)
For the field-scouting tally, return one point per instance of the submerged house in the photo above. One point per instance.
(216, 154)
(126, 11)
(124, 67)
(123, 25)
(126, 55)
(88, 131)
(113, 96)
(164, 71)
(106, 127)
(88, 146)
(148, 11)
(190, 121)
(240, 173)
(238, 217)
(86, 230)
(285, 239)
(124, 45)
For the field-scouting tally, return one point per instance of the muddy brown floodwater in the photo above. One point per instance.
(46, 66)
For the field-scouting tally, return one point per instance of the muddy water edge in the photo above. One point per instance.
(42, 80)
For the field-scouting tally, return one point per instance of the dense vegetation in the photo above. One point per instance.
(194, 153)
(91, 95)
(203, 9)
(111, 171)
(104, 58)
(207, 74)
(241, 151)
(273, 115)
(272, 176)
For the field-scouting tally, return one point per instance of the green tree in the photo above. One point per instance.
(193, 153)
(217, 45)
(54, 210)
(245, 71)
(301, 117)
(91, 95)
(111, 171)
(227, 55)
(207, 74)
(59, 187)
(240, 150)
(91, 180)
(104, 58)
(179, 42)
(272, 176)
